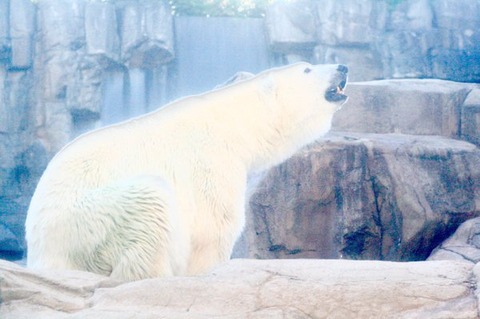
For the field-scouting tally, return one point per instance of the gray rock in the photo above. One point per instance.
(345, 23)
(16, 101)
(101, 31)
(411, 15)
(291, 26)
(457, 55)
(4, 125)
(407, 54)
(58, 59)
(463, 245)
(251, 289)
(364, 63)
(4, 32)
(423, 107)
(456, 14)
(364, 196)
(69, 78)
(470, 122)
(12, 243)
(147, 34)
(457, 65)
(60, 25)
(22, 28)
(406, 39)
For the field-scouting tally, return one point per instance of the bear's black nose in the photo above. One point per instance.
(342, 68)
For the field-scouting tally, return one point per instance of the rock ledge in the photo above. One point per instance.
(252, 289)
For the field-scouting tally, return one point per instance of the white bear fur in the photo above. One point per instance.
(163, 194)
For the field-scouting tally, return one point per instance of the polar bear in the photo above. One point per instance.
(163, 194)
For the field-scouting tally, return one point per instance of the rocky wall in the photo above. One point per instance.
(381, 39)
(57, 58)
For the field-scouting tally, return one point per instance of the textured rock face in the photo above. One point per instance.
(470, 120)
(56, 58)
(463, 245)
(364, 196)
(417, 107)
(393, 195)
(382, 39)
(252, 289)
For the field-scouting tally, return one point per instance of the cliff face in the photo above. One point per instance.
(70, 66)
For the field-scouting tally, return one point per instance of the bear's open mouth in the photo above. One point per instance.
(336, 93)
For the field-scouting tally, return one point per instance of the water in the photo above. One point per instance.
(211, 50)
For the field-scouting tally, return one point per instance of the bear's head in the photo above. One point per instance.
(306, 95)
(306, 84)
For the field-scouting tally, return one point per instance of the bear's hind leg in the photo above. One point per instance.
(139, 243)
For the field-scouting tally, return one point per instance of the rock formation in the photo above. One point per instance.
(463, 245)
(397, 176)
(70, 66)
(252, 289)
(392, 188)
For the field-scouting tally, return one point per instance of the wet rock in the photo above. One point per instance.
(364, 196)
(251, 289)
(463, 245)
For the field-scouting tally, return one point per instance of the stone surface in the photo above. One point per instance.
(291, 26)
(364, 196)
(4, 32)
(408, 39)
(147, 34)
(363, 63)
(464, 244)
(423, 107)
(67, 66)
(345, 23)
(470, 122)
(101, 30)
(251, 289)
(22, 29)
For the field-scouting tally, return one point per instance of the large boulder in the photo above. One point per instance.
(364, 196)
(417, 107)
(251, 289)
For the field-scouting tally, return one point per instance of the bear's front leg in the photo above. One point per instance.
(218, 221)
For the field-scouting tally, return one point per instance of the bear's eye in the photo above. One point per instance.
(307, 70)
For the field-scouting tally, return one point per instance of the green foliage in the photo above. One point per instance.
(220, 8)
(234, 8)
